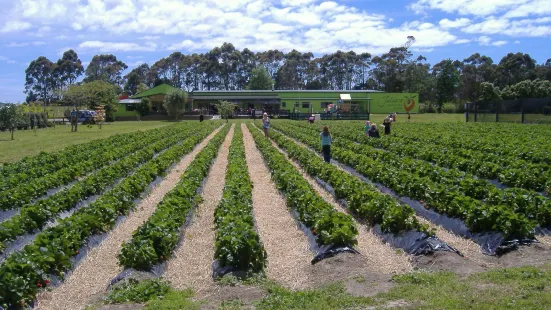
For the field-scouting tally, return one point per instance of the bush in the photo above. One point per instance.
(449, 108)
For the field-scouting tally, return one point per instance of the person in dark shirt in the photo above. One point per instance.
(386, 123)
(373, 132)
(201, 117)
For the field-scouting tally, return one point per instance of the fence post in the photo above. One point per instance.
(497, 111)
(467, 107)
(475, 112)
(522, 112)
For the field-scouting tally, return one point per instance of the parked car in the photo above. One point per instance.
(84, 115)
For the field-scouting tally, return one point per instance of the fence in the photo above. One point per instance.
(535, 110)
(332, 116)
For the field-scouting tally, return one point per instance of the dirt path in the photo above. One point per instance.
(381, 257)
(287, 247)
(544, 239)
(468, 248)
(191, 264)
(94, 273)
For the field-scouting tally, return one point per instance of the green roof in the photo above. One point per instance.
(162, 89)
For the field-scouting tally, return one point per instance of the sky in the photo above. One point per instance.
(138, 31)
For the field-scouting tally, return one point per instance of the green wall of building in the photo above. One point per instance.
(315, 101)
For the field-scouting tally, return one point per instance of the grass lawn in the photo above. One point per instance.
(28, 143)
(513, 288)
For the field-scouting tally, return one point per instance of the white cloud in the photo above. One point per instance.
(135, 64)
(462, 41)
(14, 26)
(23, 44)
(535, 7)
(460, 22)
(517, 42)
(149, 38)
(117, 46)
(484, 40)
(499, 43)
(8, 60)
(491, 25)
(469, 7)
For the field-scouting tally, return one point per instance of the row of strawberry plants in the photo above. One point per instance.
(478, 216)
(35, 216)
(154, 241)
(25, 193)
(330, 226)
(45, 163)
(237, 242)
(15, 174)
(508, 170)
(529, 204)
(23, 273)
(363, 199)
(520, 142)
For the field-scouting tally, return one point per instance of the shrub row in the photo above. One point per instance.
(23, 273)
(154, 241)
(361, 198)
(329, 225)
(27, 191)
(237, 242)
(35, 216)
(478, 216)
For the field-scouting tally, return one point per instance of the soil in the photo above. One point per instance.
(246, 295)
(446, 261)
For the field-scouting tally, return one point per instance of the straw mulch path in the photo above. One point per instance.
(191, 264)
(94, 273)
(381, 257)
(286, 245)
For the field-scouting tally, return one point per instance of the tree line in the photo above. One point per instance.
(227, 68)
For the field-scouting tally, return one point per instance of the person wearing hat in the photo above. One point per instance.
(386, 123)
(311, 119)
(373, 132)
(265, 123)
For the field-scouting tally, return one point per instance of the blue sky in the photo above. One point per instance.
(139, 31)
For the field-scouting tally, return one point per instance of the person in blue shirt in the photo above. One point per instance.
(326, 140)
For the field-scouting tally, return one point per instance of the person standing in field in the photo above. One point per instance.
(367, 127)
(409, 117)
(326, 141)
(265, 123)
(386, 123)
(373, 132)
(394, 117)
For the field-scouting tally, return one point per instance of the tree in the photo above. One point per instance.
(175, 103)
(10, 116)
(488, 92)
(69, 68)
(94, 94)
(260, 79)
(447, 81)
(39, 79)
(225, 108)
(105, 68)
(143, 108)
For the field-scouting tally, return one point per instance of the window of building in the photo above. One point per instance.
(324, 105)
(297, 104)
(284, 104)
(306, 105)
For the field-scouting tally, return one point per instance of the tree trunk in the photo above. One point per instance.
(12, 131)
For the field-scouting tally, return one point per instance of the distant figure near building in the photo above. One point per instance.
(409, 117)
(265, 124)
(201, 117)
(386, 123)
(326, 141)
(311, 119)
(367, 127)
(373, 132)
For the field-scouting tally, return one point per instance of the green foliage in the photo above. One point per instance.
(138, 291)
(174, 300)
(260, 79)
(153, 242)
(54, 247)
(488, 92)
(105, 68)
(225, 108)
(237, 242)
(447, 81)
(12, 116)
(143, 107)
(328, 225)
(175, 103)
(94, 94)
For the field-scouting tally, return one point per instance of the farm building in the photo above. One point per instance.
(300, 101)
(311, 101)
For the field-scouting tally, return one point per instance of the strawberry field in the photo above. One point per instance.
(193, 202)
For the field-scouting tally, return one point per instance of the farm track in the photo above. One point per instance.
(191, 263)
(286, 246)
(94, 273)
(381, 257)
